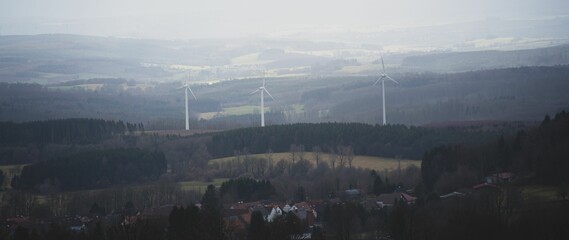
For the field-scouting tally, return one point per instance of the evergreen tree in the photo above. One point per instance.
(1, 179)
(378, 186)
(21, 233)
(98, 232)
(258, 229)
(301, 194)
(57, 232)
(210, 199)
(211, 215)
(96, 210)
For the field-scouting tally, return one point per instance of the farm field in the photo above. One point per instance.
(181, 132)
(243, 110)
(200, 185)
(9, 172)
(12, 168)
(369, 162)
(549, 193)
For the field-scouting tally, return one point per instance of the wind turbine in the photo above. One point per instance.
(382, 78)
(186, 87)
(263, 90)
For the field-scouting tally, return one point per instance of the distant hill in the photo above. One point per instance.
(484, 60)
(510, 94)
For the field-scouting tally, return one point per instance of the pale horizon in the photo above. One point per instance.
(176, 19)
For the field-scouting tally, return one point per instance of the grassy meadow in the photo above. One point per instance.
(369, 162)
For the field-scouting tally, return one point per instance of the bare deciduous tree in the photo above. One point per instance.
(269, 157)
(349, 153)
(317, 153)
(341, 155)
(332, 157)
(300, 150)
(293, 152)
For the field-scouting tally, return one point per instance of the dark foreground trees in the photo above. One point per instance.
(540, 154)
(193, 222)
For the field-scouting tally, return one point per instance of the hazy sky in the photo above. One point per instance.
(238, 18)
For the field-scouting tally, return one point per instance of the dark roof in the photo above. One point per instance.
(452, 194)
(485, 186)
(388, 198)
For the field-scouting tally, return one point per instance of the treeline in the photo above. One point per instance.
(540, 155)
(65, 131)
(114, 81)
(371, 140)
(89, 170)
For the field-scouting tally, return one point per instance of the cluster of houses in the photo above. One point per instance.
(491, 183)
(238, 215)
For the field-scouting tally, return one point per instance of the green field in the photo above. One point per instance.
(243, 110)
(376, 163)
(8, 168)
(200, 185)
(541, 191)
(9, 172)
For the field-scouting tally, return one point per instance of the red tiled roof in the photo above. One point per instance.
(407, 197)
(303, 205)
(246, 217)
(505, 175)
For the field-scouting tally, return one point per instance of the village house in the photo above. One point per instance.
(389, 199)
(498, 178)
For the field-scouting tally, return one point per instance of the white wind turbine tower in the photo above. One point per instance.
(262, 89)
(186, 87)
(382, 78)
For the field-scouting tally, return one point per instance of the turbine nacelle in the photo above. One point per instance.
(382, 77)
(263, 89)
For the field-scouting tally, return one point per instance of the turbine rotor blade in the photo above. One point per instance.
(182, 87)
(254, 91)
(377, 81)
(192, 93)
(388, 77)
(269, 93)
(382, 64)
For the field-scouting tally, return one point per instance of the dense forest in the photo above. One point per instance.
(64, 131)
(372, 140)
(246, 189)
(539, 156)
(92, 170)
